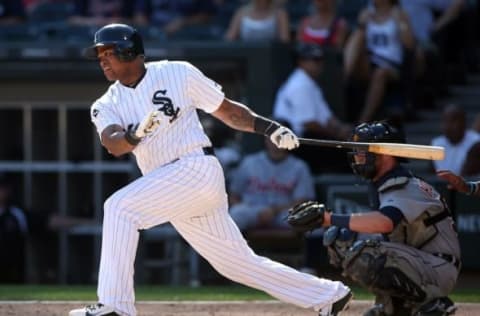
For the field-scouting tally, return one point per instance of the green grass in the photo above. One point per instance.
(166, 293)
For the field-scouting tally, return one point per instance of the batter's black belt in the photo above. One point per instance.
(208, 151)
(449, 258)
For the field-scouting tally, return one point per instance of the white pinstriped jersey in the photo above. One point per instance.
(177, 89)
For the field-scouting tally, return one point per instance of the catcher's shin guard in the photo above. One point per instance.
(367, 264)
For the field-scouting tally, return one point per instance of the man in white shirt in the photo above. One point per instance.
(462, 146)
(301, 103)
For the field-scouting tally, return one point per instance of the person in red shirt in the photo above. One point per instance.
(323, 26)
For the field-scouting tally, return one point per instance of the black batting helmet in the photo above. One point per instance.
(125, 40)
(376, 132)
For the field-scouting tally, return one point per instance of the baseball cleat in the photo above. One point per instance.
(94, 310)
(339, 306)
(442, 306)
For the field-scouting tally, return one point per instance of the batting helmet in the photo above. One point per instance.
(376, 132)
(125, 40)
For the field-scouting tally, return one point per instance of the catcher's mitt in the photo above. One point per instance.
(306, 216)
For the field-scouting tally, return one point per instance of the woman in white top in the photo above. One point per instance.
(374, 52)
(259, 20)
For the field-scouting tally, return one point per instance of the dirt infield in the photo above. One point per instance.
(252, 308)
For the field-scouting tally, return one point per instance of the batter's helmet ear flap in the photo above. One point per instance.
(125, 40)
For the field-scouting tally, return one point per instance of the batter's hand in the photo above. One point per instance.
(148, 125)
(284, 138)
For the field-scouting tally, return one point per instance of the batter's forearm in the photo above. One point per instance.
(241, 118)
(236, 115)
(113, 139)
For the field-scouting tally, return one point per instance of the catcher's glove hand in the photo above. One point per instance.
(306, 216)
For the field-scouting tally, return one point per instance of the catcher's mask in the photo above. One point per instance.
(362, 162)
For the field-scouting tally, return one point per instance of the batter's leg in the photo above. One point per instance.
(119, 246)
(216, 237)
(181, 189)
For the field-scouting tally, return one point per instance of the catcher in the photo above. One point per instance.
(414, 266)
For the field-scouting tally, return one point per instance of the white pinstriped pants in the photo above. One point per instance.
(190, 193)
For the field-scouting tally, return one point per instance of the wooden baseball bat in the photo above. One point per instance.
(392, 149)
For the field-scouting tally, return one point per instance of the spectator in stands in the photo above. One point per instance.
(266, 185)
(11, 12)
(301, 103)
(422, 16)
(259, 20)
(476, 124)
(100, 12)
(456, 182)
(173, 15)
(31, 5)
(323, 26)
(384, 34)
(438, 40)
(462, 145)
(13, 233)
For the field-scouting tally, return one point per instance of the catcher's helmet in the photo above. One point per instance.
(125, 40)
(376, 132)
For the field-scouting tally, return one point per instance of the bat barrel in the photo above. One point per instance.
(392, 149)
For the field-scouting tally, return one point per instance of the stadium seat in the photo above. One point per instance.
(18, 33)
(351, 9)
(51, 12)
(297, 9)
(197, 32)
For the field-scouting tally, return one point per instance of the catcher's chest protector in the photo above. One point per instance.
(427, 223)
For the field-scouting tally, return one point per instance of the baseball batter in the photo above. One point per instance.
(150, 110)
(415, 266)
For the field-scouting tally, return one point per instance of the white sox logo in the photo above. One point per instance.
(167, 106)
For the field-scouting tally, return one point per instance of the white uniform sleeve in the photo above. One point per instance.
(102, 116)
(205, 93)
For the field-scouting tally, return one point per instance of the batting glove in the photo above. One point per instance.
(284, 138)
(146, 127)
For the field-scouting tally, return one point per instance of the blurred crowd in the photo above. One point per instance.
(394, 56)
